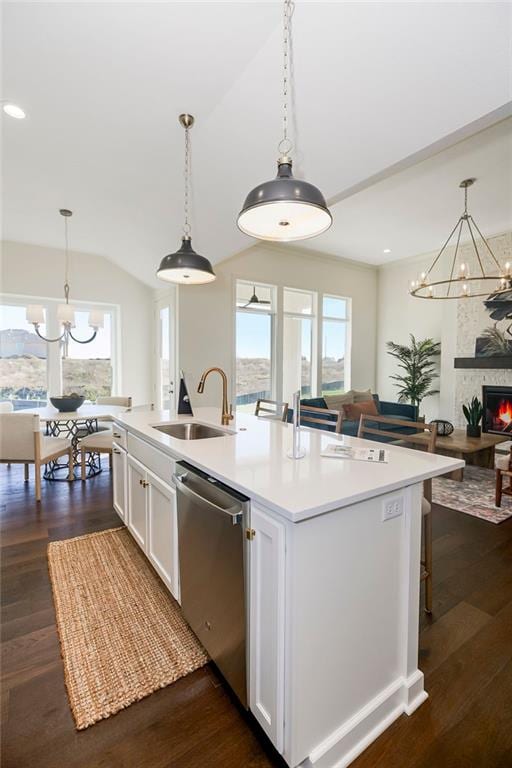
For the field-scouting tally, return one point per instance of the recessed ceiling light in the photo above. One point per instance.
(386, 250)
(14, 111)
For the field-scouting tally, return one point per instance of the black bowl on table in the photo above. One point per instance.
(67, 403)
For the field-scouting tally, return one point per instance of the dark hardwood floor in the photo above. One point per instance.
(466, 654)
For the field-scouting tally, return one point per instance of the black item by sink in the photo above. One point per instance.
(184, 406)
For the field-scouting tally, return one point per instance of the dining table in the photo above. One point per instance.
(74, 425)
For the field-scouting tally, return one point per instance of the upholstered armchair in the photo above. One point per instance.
(21, 442)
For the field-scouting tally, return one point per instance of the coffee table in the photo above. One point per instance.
(478, 451)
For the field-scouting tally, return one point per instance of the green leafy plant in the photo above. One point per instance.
(473, 412)
(418, 363)
(497, 344)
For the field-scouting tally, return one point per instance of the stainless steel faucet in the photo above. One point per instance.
(227, 412)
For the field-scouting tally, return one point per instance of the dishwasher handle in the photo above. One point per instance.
(234, 512)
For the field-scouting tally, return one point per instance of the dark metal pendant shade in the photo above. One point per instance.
(285, 208)
(186, 266)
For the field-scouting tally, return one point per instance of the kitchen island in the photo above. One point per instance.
(333, 570)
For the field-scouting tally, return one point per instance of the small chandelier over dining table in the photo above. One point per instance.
(478, 274)
(65, 312)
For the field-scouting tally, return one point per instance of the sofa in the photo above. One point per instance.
(402, 411)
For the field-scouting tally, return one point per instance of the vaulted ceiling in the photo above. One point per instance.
(376, 87)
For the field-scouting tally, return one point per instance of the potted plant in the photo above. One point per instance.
(420, 369)
(473, 412)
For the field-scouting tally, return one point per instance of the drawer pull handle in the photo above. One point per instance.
(116, 434)
(116, 450)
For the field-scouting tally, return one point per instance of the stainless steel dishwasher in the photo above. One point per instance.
(213, 555)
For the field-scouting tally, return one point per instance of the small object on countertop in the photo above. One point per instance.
(443, 427)
(337, 451)
(297, 451)
(184, 406)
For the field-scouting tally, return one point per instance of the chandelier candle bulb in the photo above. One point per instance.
(96, 318)
(35, 314)
(66, 314)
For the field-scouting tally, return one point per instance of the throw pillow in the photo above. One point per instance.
(337, 402)
(353, 411)
(363, 396)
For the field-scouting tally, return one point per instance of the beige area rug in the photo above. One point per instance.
(122, 635)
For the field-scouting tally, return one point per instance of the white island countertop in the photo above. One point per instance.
(253, 460)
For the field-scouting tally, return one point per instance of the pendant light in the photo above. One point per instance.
(186, 266)
(285, 208)
(468, 278)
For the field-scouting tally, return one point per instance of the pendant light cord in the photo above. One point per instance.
(186, 223)
(285, 146)
(66, 261)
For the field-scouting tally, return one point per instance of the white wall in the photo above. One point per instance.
(38, 271)
(206, 318)
(400, 314)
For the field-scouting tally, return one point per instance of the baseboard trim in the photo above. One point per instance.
(403, 695)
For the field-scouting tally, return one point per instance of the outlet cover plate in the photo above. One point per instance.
(393, 507)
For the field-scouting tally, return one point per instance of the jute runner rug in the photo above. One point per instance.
(122, 635)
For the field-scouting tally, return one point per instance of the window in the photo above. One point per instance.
(335, 373)
(298, 327)
(255, 306)
(289, 339)
(23, 359)
(31, 369)
(87, 368)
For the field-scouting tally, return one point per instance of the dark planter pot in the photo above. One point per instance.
(472, 431)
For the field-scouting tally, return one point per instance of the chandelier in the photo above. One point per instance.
(480, 275)
(285, 209)
(65, 312)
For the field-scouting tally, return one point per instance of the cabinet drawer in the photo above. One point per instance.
(119, 435)
(154, 459)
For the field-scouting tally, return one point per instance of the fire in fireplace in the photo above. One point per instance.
(497, 407)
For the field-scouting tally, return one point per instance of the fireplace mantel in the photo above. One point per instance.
(483, 362)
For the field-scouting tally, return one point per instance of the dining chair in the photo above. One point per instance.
(327, 419)
(96, 442)
(503, 469)
(271, 409)
(121, 400)
(126, 402)
(21, 442)
(415, 435)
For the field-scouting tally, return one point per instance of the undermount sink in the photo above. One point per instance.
(190, 430)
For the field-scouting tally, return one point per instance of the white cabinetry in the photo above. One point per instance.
(163, 531)
(152, 521)
(267, 620)
(137, 507)
(119, 473)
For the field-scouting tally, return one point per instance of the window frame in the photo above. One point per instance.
(347, 322)
(313, 317)
(54, 358)
(272, 312)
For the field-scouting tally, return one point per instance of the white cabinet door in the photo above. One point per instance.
(137, 501)
(162, 547)
(119, 481)
(266, 668)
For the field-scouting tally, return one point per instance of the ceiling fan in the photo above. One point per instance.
(254, 299)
